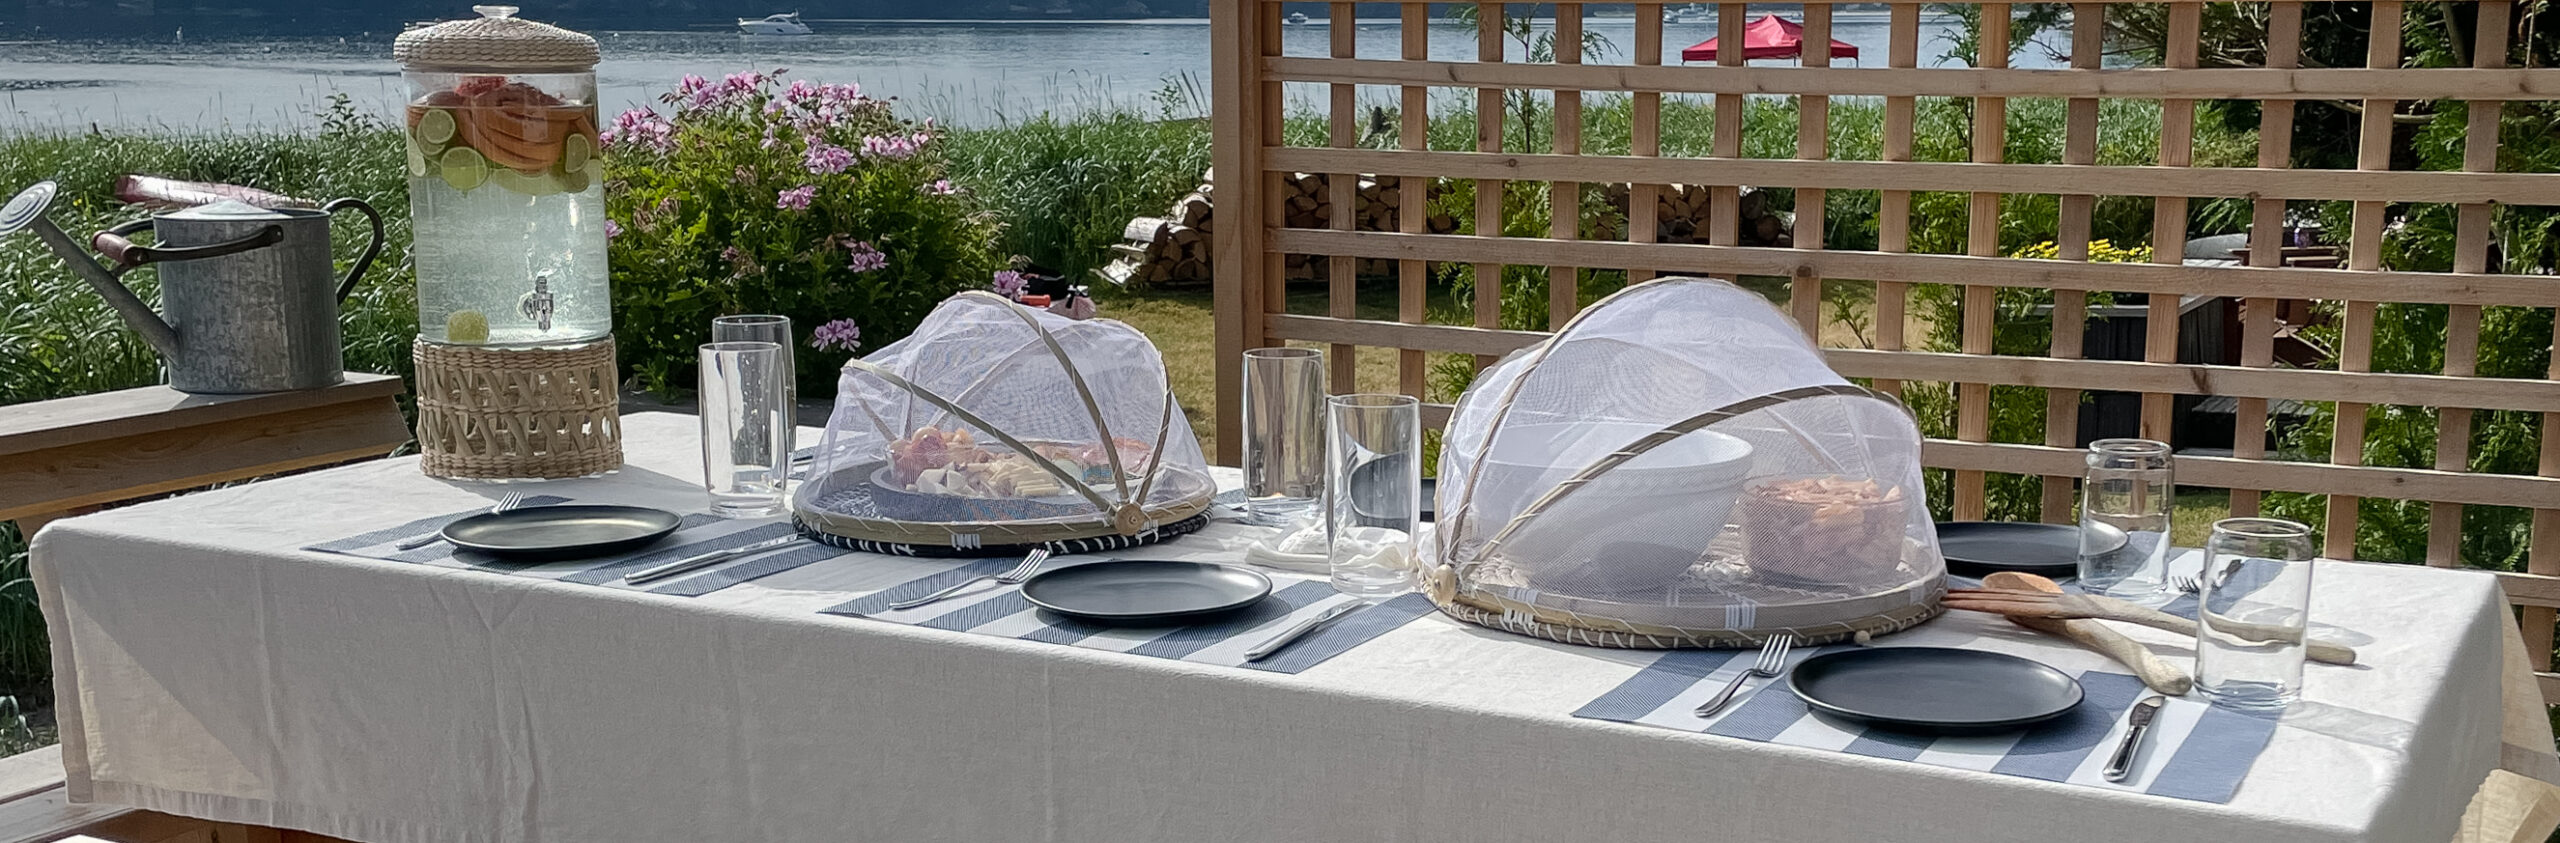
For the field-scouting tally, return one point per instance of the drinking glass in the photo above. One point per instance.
(1373, 502)
(746, 427)
(2254, 612)
(2124, 520)
(1284, 432)
(772, 329)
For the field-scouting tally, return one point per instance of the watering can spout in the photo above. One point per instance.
(26, 211)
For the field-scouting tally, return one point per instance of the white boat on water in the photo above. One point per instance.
(782, 24)
(1692, 13)
(1297, 18)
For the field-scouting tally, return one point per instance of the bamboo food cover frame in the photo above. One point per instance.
(1251, 73)
(1130, 518)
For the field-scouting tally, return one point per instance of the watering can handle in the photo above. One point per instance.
(371, 250)
(112, 243)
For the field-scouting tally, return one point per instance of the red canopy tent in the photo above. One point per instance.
(1770, 37)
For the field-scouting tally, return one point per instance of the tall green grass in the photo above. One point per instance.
(1067, 187)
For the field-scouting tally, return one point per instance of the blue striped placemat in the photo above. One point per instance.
(696, 533)
(2195, 751)
(1002, 611)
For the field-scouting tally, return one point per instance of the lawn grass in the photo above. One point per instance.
(1183, 326)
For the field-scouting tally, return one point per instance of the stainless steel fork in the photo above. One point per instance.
(1773, 661)
(511, 501)
(1030, 565)
(2187, 585)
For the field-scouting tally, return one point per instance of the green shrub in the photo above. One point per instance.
(811, 201)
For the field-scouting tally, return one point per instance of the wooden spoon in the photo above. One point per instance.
(2153, 672)
(2038, 604)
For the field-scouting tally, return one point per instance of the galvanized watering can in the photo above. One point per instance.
(247, 292)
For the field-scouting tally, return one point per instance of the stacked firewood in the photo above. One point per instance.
(1378, 205)
(1174, 249)
(1685, 212)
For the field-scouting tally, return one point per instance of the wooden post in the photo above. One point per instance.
(2071, 307)
(1564, 203)
(1893, 219)
(1982, 239)
(1644, 137)
(2364, 251)
(1813, 143)
(2169, 219)
(1724, 212)
(1414, 135)
(1237, 35)
(2462, 321)
(2266, 246)
(1489, 119)
(1342, 293)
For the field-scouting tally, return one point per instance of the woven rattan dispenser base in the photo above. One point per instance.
(518, 413)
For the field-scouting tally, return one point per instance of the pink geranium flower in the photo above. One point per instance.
(866, 257)
(840, 334)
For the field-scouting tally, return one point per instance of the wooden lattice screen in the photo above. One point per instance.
(1252, 160)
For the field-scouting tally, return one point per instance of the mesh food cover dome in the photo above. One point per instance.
(1677, 467)
(999, 426)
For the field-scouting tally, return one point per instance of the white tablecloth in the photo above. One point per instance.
(209, 668)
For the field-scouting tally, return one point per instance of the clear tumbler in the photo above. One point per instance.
(746, 427)
(1284, 430)
(1373, 502)
(776, 330)
(2124, 520)
(2254, 612)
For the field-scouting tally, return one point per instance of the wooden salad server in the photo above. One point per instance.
(2158, 675)
(2008, 598)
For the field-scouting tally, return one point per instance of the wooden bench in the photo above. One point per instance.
(64, 456)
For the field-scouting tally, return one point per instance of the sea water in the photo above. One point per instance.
(481, 251)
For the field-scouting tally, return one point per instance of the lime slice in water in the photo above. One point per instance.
(466, 327)
(571, 180)
(463, 167)
(537, 184)
(435, 127)
(417, 161)
(574, 153)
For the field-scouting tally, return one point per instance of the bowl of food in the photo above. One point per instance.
(1635, 528)
(1824, 528)
(938, 475)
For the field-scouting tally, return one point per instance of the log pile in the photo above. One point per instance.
(1687, 210)
(1170, 249)
(1174, 249)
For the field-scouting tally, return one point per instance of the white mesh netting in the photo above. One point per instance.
(1678, 467)
(999, 424)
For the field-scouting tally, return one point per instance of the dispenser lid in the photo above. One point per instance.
(497, 42)
(230, 210)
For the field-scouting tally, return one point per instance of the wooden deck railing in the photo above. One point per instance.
(1250, 71)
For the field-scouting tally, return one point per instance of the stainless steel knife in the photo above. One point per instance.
(1292, 634)
(694, 563)
(2137, 725)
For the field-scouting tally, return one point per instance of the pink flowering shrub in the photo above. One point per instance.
(754, 194)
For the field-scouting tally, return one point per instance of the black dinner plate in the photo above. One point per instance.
(568, 531)
(1373, 496)
(1978, 548)
(1934, 690)
(1145, 591)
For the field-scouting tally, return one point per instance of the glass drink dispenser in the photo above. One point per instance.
(516, 373)
(506, 190)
